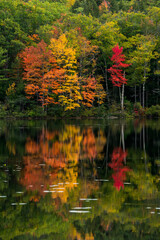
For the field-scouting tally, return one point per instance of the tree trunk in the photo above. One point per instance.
(135, 138)
(123, 142)
(158, 81)
(122, 98)
(135, 93)
(144, 149)
(106, 79)
(140, 94)
(144, 85)
(108, 137)
(143, 100)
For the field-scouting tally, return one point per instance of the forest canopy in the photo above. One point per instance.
(55, 56)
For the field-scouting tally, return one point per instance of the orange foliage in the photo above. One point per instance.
(88, 91)
(31, 146)
(89, 144)
(51, 162)
(44, 163)
(42, 74)
(34, 37)
(104, 5)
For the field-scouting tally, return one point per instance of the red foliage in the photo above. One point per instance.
(120, 170)
(117, 76)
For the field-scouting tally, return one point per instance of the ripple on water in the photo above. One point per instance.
(75, 211)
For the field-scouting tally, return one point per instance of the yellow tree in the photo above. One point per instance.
(86, 54)
(65, 56)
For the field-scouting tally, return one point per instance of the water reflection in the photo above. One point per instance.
(79, 180)
(117, 164)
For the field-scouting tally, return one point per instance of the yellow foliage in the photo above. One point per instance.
(11, 147)
(100, 93)
(65, 56)
(11, 90)
(70, 3)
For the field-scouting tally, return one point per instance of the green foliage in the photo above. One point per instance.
(93, 28)
(139, 111)
(114, 107)
(86, 7)
(37, 111)
(153, 111)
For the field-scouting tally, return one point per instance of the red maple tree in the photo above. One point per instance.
(117, 70)
(117, 73)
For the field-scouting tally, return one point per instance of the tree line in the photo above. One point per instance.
(58, 56)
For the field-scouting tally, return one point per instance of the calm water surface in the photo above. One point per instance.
(80, 180)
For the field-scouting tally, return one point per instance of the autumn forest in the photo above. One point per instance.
(69, 58)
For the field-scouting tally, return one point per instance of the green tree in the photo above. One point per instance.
(86, 7)
(140, 58)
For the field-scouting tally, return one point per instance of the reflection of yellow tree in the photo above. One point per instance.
(100, 143)
(71, 139)
(76, 235)
(53, 159)
(66, 181)
(11, 147)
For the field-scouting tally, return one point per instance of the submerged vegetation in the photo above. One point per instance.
(69, 58)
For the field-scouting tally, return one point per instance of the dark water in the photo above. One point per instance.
(80, 180)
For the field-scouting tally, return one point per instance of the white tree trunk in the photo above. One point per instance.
(123, 142)
(122, 95)
(122, 98)
(143, 95)
(135, 92)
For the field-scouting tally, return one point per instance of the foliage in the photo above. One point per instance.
(153, 111)
(117, 75)
(39, 155)
(41, 73)
(139, 111)
(69, 45)
(119, 175)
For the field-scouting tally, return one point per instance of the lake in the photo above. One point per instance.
(80, 180)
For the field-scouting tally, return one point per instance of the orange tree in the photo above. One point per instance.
(41, 73)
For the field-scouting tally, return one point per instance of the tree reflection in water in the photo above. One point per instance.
(57, 168)
(117, 164)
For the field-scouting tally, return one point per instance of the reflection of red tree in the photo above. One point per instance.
(119, 169)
